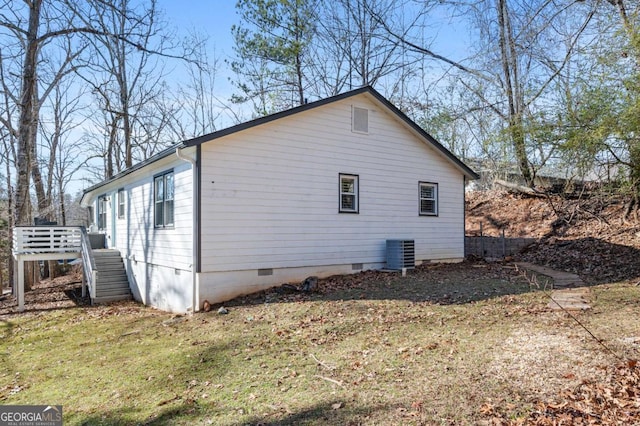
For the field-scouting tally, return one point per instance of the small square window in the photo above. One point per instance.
(348, 193)
(428, 199)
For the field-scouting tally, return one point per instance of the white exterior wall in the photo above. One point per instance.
(158, 261)
(270, 199)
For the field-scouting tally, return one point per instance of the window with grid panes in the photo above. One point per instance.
(428, 199)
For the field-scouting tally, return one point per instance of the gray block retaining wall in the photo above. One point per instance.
(495, 247)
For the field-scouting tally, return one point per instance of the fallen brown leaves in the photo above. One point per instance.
(439, 284)
(616, 401)
(589, 237)
(57, 293)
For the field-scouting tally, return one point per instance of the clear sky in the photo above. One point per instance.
(213, 18)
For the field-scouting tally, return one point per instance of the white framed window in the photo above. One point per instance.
(121, 203)
(349, 193)
(102, 212)
(428, 199)
(359, 120)
(163, 192)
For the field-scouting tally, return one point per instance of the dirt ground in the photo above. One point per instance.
(592, 239)
(60, 293)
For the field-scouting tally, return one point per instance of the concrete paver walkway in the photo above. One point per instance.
(569, 291)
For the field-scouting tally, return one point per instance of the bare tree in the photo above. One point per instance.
(352, 47)
(602, 123)
(515, 66)
(60, 136)
(124, 71)
(32, 29)
(29, 30)
(200, 109)
(7, 158)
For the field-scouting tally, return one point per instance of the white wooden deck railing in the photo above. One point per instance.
(35, 243)
(33, 240)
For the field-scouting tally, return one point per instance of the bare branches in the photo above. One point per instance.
(47, 42)
(403, 39)
(565, 61)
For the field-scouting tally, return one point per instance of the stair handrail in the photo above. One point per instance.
(89, 264)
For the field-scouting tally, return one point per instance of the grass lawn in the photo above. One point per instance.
(435, 347)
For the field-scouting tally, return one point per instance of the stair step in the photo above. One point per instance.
(111, 298)
(118, 289)
(108, 259)
(101, 268)
(113, 284)
(115, 262)
(105, 254)
(120, 275)
(110, 266)
(107, 299)
(110, 280)
(109, 273)
(102, 275)
(112, 291)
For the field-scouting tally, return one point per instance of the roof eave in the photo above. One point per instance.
(464, 169)
(160, 155)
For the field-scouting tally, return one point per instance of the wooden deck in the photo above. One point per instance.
(41, 243)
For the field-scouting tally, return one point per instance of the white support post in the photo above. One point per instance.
(15, 277)
(20, 294)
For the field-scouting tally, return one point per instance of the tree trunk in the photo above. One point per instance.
(28, 125)
(634, 172)
(11, 223)
(28, 121)
(44, 210)
(512, 91)
(111, 147)
(63, 210)
(128, 156)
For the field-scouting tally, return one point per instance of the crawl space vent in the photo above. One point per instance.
(360, 120)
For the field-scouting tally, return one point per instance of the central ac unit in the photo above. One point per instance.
(401, 254)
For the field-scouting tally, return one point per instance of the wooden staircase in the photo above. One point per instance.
(112, 282)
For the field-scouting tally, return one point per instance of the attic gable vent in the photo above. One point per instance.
(360, 120)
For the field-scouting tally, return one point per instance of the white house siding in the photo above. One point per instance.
(158, 261)
(270, 199)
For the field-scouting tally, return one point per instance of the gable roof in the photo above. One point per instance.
(466, 170)
(368, 90)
